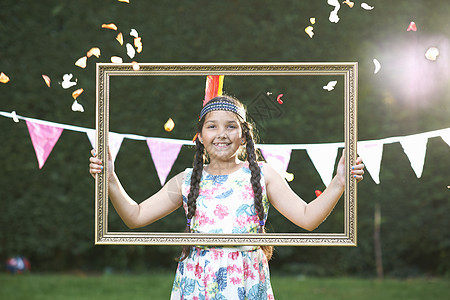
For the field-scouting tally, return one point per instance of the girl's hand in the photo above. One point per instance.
(357, 171)
(96, 165)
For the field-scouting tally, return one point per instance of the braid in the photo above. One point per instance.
(193, 192)
(256, 176)
(256, 184)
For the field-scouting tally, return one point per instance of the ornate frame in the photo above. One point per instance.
(349, 71)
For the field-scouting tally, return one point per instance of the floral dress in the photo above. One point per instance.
(225, 205)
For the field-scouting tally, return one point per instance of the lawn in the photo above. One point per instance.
(158, 286)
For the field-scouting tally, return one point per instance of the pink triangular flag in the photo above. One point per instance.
(446, 136)
(164, 155)
(415, 148)
(324, 158)
(277, 156)
(371, 153)
(44, 138)
(115, 141)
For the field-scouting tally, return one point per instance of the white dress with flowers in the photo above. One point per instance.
(225, 205)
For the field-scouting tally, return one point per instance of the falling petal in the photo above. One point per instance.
(366, 6)
(93, 51)
(119, 38)
(330, 86)
(4, 78)
(349, 3)
(289, 176)
(66, 81)
(109, 26)
(14, 116)
(170, 124)
(412, 26)
(309, 31)
(269, 93)
(77, 106)
(134, 33)
(312, 21)
(46, 79)
(279, 99)
(138, 44)
(334, 3)
(116, 59)
(130, 51)
(334, 18)
(77, 93)
(82, 62)
(136, 66)
(318, 193)
(126, 1)
(432, 53)
(377, 65)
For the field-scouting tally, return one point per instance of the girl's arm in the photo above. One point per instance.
(307, 215)
(135, 215)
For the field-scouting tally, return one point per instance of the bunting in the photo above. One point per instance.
(415, 147)
(371, 153)
(164, 152)
(114, 143)
(323, 157)
(44, 138)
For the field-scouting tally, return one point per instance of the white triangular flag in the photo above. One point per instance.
(371, 153)
(323, 156)
(446, 136)
(115, 141)
(164, 155)
(91, 136)
(415, 147)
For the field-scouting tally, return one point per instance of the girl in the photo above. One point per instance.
(226, 195)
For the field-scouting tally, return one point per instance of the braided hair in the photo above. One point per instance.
(250, 155)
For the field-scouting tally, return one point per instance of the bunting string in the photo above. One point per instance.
(164, 151)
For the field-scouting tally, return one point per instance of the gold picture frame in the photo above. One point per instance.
(347, 71)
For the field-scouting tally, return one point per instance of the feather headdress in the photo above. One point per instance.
(213, 88)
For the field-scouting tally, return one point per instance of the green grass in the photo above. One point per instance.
(158, 286)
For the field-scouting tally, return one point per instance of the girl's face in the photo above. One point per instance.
(221, 135)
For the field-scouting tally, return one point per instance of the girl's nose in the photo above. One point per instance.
(222, 133)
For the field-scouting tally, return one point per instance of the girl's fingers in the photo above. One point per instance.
(95, 166)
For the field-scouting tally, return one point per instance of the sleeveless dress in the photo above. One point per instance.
(225, 205)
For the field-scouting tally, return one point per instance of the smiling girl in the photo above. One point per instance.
(224, 194)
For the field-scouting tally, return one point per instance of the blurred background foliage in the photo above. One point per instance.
(48, 214)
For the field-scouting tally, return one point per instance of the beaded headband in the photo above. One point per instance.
(222, 105)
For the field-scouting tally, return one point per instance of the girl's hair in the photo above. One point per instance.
(250, 154)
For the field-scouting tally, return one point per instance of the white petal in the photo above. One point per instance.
(77, 106)
(366, 6)
(432, 53)
(14, 116)
(377, 65)
(330, 86)
(116, 59)
(134, 33)
(334, 18)
(130, 51)
(334, 3)
(66, 81)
